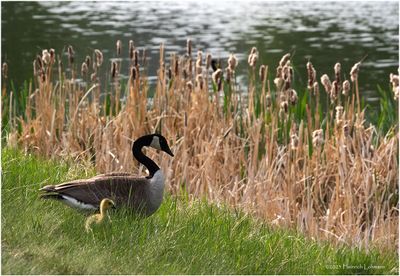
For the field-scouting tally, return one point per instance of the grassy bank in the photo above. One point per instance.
(42, 237)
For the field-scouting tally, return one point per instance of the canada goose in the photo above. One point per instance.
(143, 195)
(105, 204)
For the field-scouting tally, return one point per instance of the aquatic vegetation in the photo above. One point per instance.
(272, 151)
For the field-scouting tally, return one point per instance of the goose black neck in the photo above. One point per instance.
(143, 159)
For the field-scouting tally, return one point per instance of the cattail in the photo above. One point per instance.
(200, 58)
(88, 61)
(346, 88)
(198, 66)
(394, 79)
(114, 70)
(39, 62)
(5, 70)
(346, 130)
(284, 106)
(318, 138)
(208, 61)
(131, 49)
(216, 75)
(312, 75)
(278, 83)
(169, 73)
(294, 141)
(215, 64)
(354, 71)
(43, 75)
(219, 85)
(337, 69)
(185, 74)
(119, 46)
(176, 68)
(71, 54)
(339, 112)
(52, 55)
(189, 47)
(232, 62)
(93, 76)
(316, 88)
(136, 57)
(326, 83)
(189, 86)
(84, 69)
(334, 91)
(99, 57)
(45, 57)
(262, 72)
(268, 100)
(133, 73)
(293, 96)
(253, 57)
(35, 68)
(200, 81)
(284, 60)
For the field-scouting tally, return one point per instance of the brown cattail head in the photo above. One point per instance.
(39, 62)
(52, 55)
(176, 68)
(284, 106)
(93, 76)
(326, 83)
(119, 46)
(339, 113)
(189, 47)
(169, 73)
(199, 68)
(114, 69)
(200, 81)
(84, 69)
(346, 88)
(262, 73)
(284, 60)
(133, 73)
(337, 69)
(71, 54)
(216, 75)
(294, 141)
(354, 71)
(99, 57)
(88, 61)
(268, 100)
(229, 74)
(293, 96)
(318, 137)
(253, 57)
(189, 86)
(35, 68)
(232, 62)
(136, 58)
(199, 58)
(334, 91)
(5, 70)
(312, 75)
(131, 49)
(346, 130)
(394, 80)
(45, 57)
(208, 61)
(316, 88)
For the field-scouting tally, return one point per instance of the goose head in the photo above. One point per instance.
(157, 141)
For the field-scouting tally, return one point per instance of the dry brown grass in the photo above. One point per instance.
(337, 183)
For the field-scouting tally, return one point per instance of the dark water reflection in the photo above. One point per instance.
(324, 32)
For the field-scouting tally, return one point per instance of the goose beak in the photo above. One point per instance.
(167, 150)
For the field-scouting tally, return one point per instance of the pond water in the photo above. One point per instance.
(323, 32)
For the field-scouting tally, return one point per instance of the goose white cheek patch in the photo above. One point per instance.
(155, 143)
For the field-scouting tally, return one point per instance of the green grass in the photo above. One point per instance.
(44, 237)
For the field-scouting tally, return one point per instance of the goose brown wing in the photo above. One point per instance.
(122, 189)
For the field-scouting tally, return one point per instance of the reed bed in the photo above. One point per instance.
(272, 151)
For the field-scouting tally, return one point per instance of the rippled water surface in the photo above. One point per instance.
(324, 32)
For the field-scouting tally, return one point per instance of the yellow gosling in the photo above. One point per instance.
(105, 204)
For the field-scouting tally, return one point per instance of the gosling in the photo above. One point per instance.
(105, 204)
